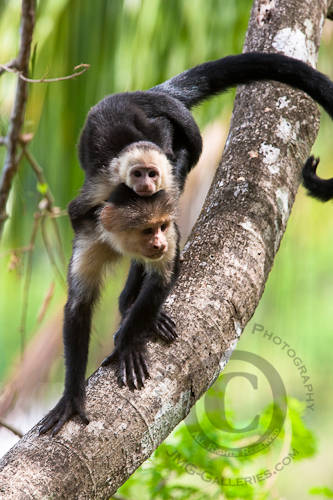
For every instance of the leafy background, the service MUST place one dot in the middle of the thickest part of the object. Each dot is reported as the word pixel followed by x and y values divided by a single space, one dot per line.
pixel 134 44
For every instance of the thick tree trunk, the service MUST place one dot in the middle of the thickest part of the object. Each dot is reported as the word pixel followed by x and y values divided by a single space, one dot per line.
pixel 226 264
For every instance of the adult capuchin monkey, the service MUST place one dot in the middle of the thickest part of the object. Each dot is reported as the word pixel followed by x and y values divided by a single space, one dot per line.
pixel 149 141
pixel 143 228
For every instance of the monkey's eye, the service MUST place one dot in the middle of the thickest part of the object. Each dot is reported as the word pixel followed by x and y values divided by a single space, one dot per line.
pixel 152 173
pixel 137 173
pixel 148 230
pixel 164 226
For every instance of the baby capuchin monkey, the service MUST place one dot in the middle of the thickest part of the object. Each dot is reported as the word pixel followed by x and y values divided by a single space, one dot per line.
pixel 142 166
pixel 149 139
pixel 144 229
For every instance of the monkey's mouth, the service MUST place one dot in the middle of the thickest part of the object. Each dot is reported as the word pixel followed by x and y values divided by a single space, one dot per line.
pixel 144 193
pixel 155 256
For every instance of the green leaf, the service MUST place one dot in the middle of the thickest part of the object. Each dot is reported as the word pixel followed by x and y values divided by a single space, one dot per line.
pixel 303 440
pixel 33 60
pixel 321 490
pixel 42 188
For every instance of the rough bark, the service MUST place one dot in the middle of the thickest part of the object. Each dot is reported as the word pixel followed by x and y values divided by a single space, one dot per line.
pixel 226 264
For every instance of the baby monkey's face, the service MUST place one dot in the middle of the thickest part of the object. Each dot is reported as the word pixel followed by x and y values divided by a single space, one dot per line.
pixel 144 168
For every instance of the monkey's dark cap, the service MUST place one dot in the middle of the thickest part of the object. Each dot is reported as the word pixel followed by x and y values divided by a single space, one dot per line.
pixel 131 211
pixel 143 145
pixel 150 210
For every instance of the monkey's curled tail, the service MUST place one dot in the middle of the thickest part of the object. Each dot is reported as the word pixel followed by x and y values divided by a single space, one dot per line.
pixel 214 77
pixel 211 78
pixel 322 189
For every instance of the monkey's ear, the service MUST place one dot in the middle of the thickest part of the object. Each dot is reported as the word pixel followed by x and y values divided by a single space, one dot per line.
pixel 109 217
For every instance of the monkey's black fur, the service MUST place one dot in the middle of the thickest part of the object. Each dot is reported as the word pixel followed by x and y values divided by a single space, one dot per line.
pixel 322 189
pixel 214 77
pixel 162 116
pixel 121 119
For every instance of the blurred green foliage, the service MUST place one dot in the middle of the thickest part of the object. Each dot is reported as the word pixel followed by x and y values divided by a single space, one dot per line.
pixel 182 469
pixel 322 491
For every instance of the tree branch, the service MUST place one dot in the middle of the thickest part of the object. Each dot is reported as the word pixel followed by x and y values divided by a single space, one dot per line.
pixel 52 211
pixel 226 264
pixel 27 281
pixel 7 67
pixel 17 116
pixel 78 70
pixel 20 66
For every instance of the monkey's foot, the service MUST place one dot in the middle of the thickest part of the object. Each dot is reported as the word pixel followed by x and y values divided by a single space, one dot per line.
pixel 165 328
pixel 132 364
pixel 64 410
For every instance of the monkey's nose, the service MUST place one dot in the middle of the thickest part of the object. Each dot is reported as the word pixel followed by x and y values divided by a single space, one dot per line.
pixel 160 247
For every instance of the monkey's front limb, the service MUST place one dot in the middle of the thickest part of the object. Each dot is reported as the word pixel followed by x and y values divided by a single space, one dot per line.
pixel 84 274
pixel 132 287
pixel 77 322
pixel 162 327
pixel 143 317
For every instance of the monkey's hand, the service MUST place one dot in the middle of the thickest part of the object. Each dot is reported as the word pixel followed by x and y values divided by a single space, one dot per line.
pixel 164 328
pixel 64 410
pixel 131 358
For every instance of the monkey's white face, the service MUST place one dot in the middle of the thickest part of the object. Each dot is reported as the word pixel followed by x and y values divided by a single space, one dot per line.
pixel 146 171
pixel 144 179
pixel 150 242
pixel 154 241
